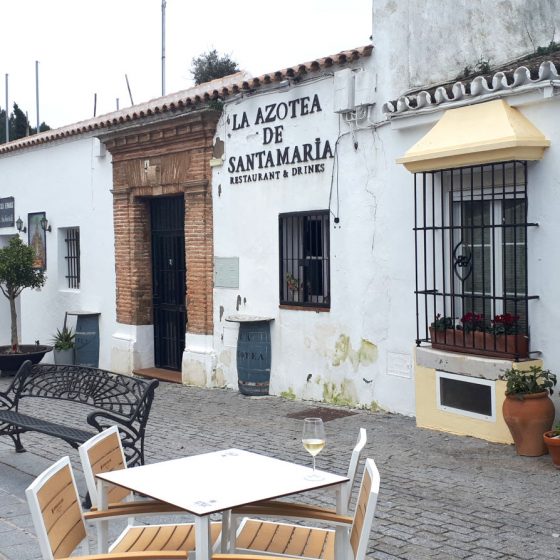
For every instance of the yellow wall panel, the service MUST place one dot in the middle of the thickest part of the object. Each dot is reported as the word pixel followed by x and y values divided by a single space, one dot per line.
pixel 429 416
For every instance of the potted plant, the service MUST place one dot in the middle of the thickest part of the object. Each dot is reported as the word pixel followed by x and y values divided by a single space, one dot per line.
pixel 17 273
pixel 474 335
pixel 552 442
pixel 527 409
pixel 293 285
pixel 443 333
pixel 505 336
pixel 63 344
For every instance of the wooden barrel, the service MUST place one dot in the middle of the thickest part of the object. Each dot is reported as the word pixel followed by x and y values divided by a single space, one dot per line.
pixel 253 358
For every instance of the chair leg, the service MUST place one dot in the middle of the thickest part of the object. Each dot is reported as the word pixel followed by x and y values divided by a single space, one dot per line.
pixel 86 503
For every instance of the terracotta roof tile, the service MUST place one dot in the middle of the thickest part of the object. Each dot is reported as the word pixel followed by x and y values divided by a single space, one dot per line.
pixel 526 71
pixel 216 89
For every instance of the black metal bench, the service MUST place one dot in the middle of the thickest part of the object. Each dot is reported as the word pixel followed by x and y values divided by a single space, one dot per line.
pixel 115 399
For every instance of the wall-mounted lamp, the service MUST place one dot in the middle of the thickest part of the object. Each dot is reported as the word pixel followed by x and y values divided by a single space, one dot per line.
pixel 20 227
pixel 45 224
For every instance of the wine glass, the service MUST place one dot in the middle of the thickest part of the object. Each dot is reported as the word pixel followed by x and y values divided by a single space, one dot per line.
pixel 313 439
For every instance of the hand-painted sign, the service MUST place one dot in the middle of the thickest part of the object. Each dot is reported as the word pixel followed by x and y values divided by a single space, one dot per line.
pixel 7 214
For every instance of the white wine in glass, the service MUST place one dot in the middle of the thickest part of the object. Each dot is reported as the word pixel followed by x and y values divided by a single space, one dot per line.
pixel 313 440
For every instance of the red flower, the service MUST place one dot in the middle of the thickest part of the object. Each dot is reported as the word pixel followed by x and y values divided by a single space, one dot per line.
pixel 507 319
pixel 473 321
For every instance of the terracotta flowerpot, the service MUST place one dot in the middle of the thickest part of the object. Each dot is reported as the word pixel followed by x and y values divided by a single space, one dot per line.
pixel 528 416
pixel 553 444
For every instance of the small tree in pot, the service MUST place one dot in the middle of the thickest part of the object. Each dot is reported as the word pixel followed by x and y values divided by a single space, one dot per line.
pixel 16 274
pixel 528 410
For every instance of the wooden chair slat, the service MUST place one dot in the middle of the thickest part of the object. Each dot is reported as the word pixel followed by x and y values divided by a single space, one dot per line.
pixel 281 538
pixel 360 512
pixel 264 536
pixel 298 541
pixel 155 539
pixel 248 534
pixel 106 449
pixel 54 486
pixel 182 539
pixel 315 547
pixel 329 546
pixel 136 538
pixel 163 537
pixel 70 542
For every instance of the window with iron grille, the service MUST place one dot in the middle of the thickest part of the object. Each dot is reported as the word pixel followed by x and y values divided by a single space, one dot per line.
pixel 471 259
pixel 72 240
pixel 304 259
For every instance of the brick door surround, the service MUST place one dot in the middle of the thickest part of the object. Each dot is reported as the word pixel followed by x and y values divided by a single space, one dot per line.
pixel 168 157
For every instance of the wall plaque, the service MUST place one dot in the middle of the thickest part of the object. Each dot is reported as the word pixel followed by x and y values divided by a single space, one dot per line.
pixel 7 214
pixel 226 272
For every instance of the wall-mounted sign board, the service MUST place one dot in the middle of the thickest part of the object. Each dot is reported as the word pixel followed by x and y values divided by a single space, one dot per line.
pixel 226 272
pixel 7 213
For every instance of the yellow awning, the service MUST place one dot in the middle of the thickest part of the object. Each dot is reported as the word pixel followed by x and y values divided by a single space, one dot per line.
pixel 477 134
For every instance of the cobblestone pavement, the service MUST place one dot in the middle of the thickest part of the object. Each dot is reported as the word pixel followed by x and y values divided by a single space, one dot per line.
pixel 442 497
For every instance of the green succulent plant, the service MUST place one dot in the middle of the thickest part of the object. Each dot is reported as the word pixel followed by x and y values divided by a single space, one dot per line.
pixel 64 339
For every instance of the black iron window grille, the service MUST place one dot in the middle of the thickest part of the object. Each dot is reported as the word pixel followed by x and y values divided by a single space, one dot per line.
pixel 304 259
pixel 471 259
pixel 72 257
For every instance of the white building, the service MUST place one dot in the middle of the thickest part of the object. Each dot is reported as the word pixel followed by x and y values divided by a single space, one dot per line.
pixel 317 229
pixel 69 180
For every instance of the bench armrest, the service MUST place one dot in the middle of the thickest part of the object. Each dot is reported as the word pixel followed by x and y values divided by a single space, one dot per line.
pixel 9 398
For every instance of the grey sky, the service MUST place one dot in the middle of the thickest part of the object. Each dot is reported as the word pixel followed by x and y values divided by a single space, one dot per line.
pixel 87 46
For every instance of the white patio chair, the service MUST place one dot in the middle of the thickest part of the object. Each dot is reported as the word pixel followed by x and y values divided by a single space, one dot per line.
pixel 59 523
pixel 104 453
pixel 297 541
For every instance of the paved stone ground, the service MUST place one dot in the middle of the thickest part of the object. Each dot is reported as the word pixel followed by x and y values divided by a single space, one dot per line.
pixel 442 497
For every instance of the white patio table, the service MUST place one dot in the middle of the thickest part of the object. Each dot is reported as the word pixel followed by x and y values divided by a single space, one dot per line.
pixel 218 482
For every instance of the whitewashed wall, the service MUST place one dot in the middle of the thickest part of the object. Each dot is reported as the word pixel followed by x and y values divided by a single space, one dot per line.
pixel 543 208
pixel 71 183
pixel 5 329
pixel 360 351
pixel 423 42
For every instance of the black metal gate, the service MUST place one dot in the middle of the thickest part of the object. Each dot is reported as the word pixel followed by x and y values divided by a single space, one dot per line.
pixel 168 271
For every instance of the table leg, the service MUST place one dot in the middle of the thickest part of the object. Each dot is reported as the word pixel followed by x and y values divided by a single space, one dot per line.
pixel 232 541
pixel 226 524
pixel 102 524
pixel 342 538
pixel 202 535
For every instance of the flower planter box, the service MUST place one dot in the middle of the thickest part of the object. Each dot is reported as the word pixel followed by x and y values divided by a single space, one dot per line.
pixel 481 343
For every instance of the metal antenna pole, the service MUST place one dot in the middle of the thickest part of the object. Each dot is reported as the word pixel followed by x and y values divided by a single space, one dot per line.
pixel 163 5
pixel 94 104
pixel 129 92
pixel 7 113
pixel 37 93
